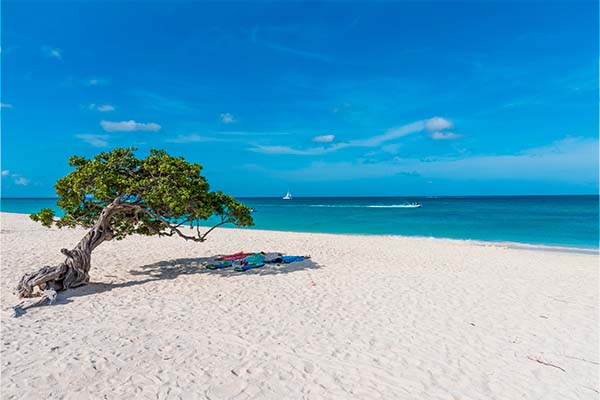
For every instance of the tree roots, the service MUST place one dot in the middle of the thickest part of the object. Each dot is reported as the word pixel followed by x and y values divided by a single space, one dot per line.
pixel 50 280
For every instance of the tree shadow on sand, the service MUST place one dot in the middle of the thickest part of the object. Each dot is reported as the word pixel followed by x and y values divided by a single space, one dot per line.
pixel 172 269
pixel 186 266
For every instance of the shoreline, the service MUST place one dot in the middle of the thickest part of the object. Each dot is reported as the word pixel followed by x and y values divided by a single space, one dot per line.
pixel 485 243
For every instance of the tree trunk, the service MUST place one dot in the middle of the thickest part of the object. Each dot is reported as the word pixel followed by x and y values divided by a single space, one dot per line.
pixel 71 273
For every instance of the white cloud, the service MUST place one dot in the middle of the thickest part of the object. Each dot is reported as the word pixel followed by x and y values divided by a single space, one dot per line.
pixel 193 138
pixel 19 180
pixel 373 141
pixel 101 107
pixel 286 49
pixel 129 126
pixel 227 118
pixel 106 107
pixel 94 140
pixel 437 124
pixel 249 133
pixel 95 81
pixel 445 135
pixel 289 150
pixel 571 160
pixel 52 52
pixel 5 105
pixel 390 134
pixel 323 139
pixel 344 106
pixel 391 148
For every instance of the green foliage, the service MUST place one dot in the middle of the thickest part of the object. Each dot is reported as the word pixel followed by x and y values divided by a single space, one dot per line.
pixel 154 195
pixel 45 217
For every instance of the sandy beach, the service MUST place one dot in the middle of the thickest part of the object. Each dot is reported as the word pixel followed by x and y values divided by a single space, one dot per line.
pixel 367 317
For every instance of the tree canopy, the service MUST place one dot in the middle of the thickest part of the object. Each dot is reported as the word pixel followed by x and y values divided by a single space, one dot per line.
pixel 156 195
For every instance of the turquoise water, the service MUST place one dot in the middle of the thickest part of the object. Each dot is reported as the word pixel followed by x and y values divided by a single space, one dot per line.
pixel 549 220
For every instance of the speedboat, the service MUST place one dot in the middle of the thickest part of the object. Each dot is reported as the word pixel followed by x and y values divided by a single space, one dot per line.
pixel 411 205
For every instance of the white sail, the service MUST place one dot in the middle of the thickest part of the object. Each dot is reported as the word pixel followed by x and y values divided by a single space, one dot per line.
pixel 288 196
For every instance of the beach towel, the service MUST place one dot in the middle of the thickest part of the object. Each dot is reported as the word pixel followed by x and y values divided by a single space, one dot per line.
pixel 269 257
pixel 286 259
pixel 246 267
pixel 235 256
pixel 222 264
pixel 291 259
pixel 256 260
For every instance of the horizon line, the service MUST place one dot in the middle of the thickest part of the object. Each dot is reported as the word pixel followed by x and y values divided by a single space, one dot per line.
pixel 374 196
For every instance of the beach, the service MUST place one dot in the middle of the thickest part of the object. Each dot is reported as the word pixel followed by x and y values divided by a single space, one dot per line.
pixel 365 317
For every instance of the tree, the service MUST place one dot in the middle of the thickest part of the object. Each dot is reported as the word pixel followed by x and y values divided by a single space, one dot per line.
pixel 114 195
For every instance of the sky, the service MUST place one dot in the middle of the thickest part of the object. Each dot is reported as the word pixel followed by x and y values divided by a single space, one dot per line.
pixel 321 98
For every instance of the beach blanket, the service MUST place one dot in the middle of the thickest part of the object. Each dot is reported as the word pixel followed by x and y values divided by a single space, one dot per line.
pixel 244 261
pixel 256 260
pixel 269 257
pixel 222 264
pixel 235 256
pixel 286 259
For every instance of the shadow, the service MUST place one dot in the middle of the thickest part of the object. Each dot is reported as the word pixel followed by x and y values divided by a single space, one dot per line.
pixel 185 266
pixel 172 269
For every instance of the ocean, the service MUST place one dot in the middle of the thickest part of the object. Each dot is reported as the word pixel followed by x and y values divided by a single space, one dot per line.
pixel 547 220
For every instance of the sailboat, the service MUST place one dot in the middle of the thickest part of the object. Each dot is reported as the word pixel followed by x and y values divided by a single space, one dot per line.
pixel 288 196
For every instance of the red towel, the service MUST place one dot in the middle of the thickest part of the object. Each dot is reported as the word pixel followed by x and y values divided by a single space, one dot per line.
pixel 234 257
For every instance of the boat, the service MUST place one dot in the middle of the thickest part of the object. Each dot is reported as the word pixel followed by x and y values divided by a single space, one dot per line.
pixel 411 205
pixel 288 196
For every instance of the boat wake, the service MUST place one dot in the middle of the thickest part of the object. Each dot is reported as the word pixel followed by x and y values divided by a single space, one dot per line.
pixel 365 206
pixel 397 206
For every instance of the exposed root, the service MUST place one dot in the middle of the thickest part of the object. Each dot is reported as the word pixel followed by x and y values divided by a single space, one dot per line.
pixel 45 277
pixel 47 296
pixel 71 273
pixel 49 280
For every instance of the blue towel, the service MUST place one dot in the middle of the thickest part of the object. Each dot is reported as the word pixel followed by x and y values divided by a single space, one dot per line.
pixel 291 259
pixel 222 264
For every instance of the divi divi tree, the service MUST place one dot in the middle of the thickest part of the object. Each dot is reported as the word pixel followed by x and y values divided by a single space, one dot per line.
pixel 114 195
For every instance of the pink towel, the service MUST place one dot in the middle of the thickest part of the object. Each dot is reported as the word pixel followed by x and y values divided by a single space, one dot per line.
pixel 236 256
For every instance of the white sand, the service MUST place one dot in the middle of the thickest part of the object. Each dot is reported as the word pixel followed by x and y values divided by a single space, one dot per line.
pixel 368 318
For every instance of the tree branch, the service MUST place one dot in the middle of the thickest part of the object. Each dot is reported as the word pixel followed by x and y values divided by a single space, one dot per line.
pixel 203 236
pixel 174 229
pixel 171 229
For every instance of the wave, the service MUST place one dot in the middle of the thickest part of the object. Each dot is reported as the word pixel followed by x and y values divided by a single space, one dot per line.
pixel 362 206
pixel 395 206
pixel 334 205
pixel 288 204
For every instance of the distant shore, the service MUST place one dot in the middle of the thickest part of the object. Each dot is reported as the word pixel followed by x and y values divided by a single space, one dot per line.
pixel 364 317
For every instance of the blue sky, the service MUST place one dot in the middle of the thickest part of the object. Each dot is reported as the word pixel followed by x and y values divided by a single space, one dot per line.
pixel 336 98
